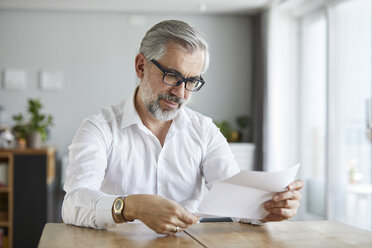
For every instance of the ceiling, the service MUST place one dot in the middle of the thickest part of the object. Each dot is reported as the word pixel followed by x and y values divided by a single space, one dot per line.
pixel 141 6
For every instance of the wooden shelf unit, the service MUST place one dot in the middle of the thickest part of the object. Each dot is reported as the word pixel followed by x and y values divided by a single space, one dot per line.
pixel 7 158
pixel 30 173
pixel 4 223
pixel 4 189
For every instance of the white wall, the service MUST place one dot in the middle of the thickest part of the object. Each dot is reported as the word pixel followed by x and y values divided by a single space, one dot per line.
pixel 282 109
pixel 96 53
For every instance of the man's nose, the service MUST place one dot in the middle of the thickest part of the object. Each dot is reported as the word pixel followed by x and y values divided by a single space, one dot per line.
pixel 179 90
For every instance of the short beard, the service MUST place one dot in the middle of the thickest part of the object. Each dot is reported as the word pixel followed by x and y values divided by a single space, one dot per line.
pixel 167 114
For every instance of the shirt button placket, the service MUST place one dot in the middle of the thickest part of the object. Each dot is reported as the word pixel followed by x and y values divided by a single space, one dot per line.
pixel 159 177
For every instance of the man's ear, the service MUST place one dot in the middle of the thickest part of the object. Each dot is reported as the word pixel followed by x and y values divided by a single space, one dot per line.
pixel 140 63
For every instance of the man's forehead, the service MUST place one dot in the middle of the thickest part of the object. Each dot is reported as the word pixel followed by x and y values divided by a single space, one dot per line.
pixel 178 58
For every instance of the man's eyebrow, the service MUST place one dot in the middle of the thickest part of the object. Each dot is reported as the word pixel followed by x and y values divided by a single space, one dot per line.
pixel 179 73
pixel 174 70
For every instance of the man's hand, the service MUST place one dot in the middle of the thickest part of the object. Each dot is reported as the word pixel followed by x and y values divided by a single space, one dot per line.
pixel 284 205
pixel 158 213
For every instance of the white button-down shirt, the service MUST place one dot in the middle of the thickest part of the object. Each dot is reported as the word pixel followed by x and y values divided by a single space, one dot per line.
pixel 113 154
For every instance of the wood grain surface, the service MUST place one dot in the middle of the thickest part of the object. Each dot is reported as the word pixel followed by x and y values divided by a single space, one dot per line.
pixel 285 234
pixel 124 235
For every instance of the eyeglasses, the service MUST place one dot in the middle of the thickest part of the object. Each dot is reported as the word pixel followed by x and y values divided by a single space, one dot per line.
pixel 175 79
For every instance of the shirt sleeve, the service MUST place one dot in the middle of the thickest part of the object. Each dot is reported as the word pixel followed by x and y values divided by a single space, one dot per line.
pixel 84 204
pixel 219 162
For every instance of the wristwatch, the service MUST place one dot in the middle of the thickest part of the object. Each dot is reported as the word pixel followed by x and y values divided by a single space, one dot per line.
pixel 119 208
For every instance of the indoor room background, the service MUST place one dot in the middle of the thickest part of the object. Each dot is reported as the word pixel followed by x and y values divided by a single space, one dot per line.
pixel 95 54
pixel 300 70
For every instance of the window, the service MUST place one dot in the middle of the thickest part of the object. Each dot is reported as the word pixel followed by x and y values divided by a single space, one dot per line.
pixel 335 93
pixel 313 113
pixel 319 104
pixel 350 91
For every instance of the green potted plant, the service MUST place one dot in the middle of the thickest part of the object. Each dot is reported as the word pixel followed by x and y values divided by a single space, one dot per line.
pixel 35 129
pixel 225 129
pixel 244 123
pixel 20 130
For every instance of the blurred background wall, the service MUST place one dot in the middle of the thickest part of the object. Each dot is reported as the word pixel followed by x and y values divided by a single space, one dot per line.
pixel 95 53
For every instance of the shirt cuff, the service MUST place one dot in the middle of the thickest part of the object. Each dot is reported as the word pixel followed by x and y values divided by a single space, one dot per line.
pixel 103 211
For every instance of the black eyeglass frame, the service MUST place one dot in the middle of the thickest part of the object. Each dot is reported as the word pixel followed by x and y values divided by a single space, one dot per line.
pixel 183 79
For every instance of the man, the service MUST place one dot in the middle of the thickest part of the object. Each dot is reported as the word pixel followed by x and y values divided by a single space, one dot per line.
pixel 146 157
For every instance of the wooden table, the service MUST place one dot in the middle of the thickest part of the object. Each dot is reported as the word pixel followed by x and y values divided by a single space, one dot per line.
pixel 280 234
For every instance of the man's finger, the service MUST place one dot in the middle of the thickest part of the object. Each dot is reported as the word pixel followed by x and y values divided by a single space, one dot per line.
pixel 164 228
pixel 177 222
pixel 296 185
pixel 291 194
pixel 187 217
pixel 272 217
pixel 284 212
pixel 171 229
pixel 282 204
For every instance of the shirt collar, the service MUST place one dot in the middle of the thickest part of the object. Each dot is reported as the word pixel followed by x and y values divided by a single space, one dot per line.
pixel 130 115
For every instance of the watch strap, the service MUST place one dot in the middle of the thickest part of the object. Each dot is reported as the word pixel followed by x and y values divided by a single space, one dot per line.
pixel 120 214
pixel 123 211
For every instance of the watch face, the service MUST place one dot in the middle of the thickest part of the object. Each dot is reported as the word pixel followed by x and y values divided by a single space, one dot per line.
pixel 118 204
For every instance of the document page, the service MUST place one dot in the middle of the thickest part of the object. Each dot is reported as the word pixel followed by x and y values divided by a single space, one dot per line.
pixel 244 194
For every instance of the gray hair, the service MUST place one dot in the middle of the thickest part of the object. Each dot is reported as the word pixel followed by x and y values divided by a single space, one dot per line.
pixel 154 44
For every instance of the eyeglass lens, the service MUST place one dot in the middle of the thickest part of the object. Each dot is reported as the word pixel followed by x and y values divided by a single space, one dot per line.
pixel 173 79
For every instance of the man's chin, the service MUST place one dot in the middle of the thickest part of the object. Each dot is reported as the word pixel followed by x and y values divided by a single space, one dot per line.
pixel 170 109
pixel 167 115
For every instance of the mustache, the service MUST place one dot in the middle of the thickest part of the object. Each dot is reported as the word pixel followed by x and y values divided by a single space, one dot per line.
pixel 172 98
